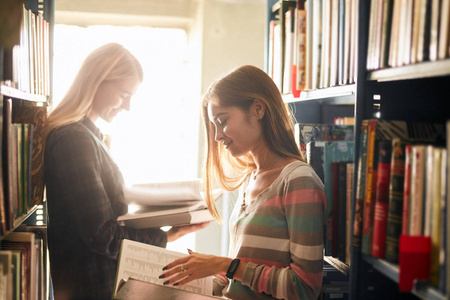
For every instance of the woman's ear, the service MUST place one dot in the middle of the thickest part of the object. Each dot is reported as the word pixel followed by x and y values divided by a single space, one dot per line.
pixel 259 108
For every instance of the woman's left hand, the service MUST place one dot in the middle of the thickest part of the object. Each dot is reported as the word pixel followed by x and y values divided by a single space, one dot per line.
pixel 194 266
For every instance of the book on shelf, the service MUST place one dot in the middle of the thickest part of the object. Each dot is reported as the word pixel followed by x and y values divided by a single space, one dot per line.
pixel 145 262
pixel 166 204
pixel 325 57
pixel 307 132
pixel 395 202
pixel 348 213
pixel 382 130
pixel 300 45
pixel 416 216
pixel 338 151
pixel 382 199
pixel 289 48
pixel 360 184
pixel 444 30
pixel 407 190
pixel 25 253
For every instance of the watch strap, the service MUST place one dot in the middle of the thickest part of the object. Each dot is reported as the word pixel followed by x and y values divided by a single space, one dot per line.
pixel 232 268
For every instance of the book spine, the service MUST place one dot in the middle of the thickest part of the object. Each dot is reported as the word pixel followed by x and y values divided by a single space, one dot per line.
pixel 371 175
pixel 335 212
pixel 395 206
pixel 382 199
pixel 349 196
pixel 416 217
pixel 360 186
pixel 407 190
pixel 342 208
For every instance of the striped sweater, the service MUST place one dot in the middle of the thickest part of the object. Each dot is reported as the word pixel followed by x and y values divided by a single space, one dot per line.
pixel 280 235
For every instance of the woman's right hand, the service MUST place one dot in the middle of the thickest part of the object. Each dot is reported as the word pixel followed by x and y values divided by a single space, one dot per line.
pixel 176 232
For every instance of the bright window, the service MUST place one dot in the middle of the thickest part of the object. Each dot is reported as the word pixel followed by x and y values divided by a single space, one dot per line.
pixel 158 139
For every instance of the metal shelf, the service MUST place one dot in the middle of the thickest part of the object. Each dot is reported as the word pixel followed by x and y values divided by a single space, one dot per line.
pixel 413 71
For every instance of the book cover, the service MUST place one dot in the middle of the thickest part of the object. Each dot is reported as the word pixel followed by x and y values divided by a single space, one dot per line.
pixel 444 29
pixel 407 190
pixel 334 46
pixel 434 29
pixel 436 211
pixel 394 35
pixel 386 28
pixel 416 216
pixel 325 57
pixel 360 186
pixel 300 57
pixel 317 43
pixel 382 199
pixel 340 151
pixel 348 213
pixel 289 43
pixel 395 206
pixel 145 262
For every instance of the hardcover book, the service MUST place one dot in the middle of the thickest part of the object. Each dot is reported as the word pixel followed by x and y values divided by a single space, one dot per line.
pixel 395 206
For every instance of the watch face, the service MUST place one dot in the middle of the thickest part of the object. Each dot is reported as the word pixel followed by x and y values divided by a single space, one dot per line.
pixel 232 268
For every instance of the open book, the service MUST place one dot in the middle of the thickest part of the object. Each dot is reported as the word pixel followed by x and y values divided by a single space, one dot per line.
pixel 166 204
pixel 145 262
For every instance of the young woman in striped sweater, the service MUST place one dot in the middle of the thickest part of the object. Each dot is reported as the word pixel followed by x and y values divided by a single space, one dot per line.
pixel 277 225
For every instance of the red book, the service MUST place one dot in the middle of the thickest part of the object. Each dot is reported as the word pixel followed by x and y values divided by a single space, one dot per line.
pixel 382 199
pixel 407 190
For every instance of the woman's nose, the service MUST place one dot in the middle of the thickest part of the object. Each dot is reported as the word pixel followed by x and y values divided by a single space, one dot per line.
pixel 219 134
pixel 126 104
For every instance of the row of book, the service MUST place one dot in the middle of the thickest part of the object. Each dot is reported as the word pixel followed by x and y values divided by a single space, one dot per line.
pixel 313 45
pixel 20 149
pixel 400 188
pixel 329 149
pixel 22 183
pixel 24 266
pixel 404 32
pixel 30 69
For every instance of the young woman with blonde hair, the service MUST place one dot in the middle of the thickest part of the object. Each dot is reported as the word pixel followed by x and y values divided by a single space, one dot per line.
pixel 84 185
pixel 277 225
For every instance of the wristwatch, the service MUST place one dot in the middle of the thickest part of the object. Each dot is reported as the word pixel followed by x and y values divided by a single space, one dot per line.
pixel 232 268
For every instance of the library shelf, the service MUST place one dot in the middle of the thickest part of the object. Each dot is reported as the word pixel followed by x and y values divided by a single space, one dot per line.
pixel 413 71
pixel 343 94
pixel 17 94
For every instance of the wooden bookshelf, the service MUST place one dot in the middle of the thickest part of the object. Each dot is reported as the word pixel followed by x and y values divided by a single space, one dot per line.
pixel 24 97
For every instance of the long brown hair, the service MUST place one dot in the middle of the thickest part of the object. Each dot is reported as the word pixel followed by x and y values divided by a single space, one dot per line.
pixel 240 88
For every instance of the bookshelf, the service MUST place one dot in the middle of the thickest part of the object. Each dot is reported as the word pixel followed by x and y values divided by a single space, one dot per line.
pixel 25 93
pixel 413 89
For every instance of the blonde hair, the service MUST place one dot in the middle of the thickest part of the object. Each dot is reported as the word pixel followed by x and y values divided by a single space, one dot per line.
pixel 240 88
pixel 110 62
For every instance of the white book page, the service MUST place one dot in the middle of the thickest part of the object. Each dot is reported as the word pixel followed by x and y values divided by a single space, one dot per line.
pixel 145 262
pixel 164 193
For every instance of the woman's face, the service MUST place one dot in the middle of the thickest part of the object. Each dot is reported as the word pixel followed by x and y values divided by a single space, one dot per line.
pixel 239 131
pixel 112 97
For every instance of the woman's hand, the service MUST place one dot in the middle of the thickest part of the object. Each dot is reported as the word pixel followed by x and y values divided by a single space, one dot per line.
pixel 194 266
pixel 176 232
